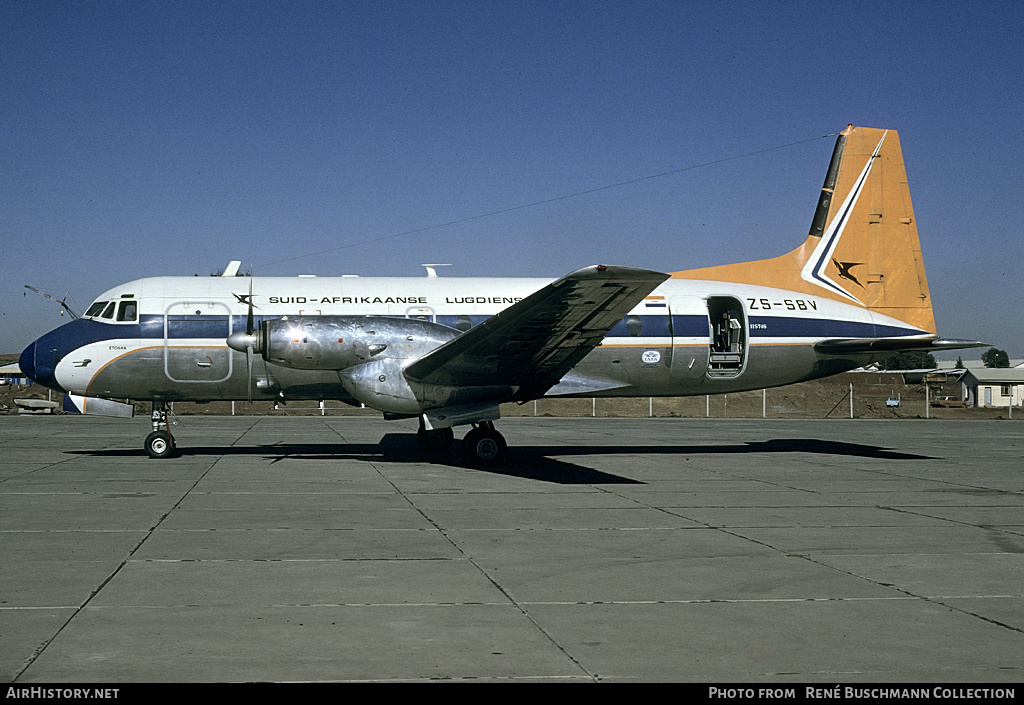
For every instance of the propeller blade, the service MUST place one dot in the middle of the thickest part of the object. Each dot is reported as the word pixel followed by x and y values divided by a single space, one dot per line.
pixel 248 348
pixel 248 342
pixel 248 318
pixel 248 367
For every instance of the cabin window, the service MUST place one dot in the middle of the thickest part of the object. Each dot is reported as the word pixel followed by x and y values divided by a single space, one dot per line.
pixel 463 323
pixel 95 309
pixel 128 311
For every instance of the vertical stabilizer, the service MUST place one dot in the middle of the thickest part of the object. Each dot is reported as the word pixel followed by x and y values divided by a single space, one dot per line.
pixel 863 246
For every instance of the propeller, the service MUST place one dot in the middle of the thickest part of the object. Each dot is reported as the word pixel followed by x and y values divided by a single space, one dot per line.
pixel 247 342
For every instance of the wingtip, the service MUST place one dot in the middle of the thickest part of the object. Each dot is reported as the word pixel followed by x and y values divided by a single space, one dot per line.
pixel 619 271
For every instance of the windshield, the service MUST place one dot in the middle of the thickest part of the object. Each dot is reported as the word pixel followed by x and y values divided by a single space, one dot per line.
pixel 128 311
pixel 95 309
pixel 125 311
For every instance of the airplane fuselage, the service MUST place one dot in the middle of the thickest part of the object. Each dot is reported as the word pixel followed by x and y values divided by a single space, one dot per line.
pixel 163 338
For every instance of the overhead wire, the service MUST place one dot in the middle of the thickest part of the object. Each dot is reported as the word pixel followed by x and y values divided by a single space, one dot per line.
pixel 555 199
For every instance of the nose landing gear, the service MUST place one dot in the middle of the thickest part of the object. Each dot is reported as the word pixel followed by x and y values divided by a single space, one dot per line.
pixel 160 443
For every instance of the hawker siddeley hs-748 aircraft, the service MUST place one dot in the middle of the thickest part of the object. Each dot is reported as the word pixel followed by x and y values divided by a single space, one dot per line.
pixel 449 351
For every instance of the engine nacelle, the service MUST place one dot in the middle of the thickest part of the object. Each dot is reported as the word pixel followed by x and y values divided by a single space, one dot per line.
pixel 340 342
pixel 369 353
pixel 381 385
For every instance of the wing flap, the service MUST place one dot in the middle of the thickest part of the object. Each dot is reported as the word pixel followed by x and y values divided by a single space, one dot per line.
pixel 533 343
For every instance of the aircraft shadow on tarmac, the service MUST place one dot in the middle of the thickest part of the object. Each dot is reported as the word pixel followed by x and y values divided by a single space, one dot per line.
pixel 526 461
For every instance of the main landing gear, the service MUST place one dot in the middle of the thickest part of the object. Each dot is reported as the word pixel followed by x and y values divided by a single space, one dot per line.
pixel 482 446
pixel 160 443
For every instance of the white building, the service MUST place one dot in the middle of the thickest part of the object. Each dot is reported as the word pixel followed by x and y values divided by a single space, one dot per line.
pixel 992 387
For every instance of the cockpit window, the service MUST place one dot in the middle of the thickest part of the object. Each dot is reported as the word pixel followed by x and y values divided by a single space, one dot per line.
pixel 128 311
pixel 95 309
pixel 108 312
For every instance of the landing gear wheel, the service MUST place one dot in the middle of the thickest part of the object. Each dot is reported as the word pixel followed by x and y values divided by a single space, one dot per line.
pixel 484 446
pixel 159 444
pixel 437 440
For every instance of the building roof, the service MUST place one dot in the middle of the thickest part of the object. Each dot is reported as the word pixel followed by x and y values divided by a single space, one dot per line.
pixel 12 370
pixel 998 375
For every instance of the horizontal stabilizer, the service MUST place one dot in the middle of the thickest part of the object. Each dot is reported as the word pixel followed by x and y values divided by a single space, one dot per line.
pixel 847 346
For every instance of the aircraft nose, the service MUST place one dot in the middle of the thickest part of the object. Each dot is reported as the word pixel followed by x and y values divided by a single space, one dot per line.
pixel 27 361
pixel 39 365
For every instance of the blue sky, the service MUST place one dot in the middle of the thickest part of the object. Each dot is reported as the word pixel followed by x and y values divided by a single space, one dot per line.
pixel 142 139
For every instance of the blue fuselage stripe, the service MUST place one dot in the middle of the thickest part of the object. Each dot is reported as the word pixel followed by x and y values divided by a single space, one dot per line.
pixel 83 332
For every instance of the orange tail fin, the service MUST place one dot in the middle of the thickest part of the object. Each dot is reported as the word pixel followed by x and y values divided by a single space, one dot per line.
pixel 863 246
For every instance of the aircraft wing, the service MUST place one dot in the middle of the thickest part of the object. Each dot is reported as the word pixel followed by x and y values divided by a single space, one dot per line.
pixel 840 346
pixel 533 343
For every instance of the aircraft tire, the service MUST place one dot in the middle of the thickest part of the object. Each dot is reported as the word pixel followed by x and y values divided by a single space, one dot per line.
pixel 436 440
pixel 484 447
pixel 159 444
